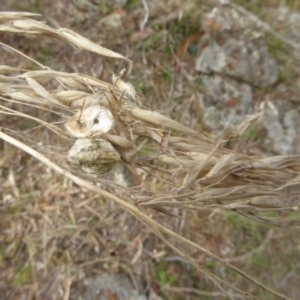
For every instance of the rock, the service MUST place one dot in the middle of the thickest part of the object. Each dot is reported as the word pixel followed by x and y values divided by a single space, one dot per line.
pixel 214 118
pixel 226 93
pixel 250 61
pixel 236 49
pixel 94 156
pixel 226 22
pixel 243 60
pixel 111 286
pixel 226 102
pixel 234 60
pixel 290 21
pixel 213 59
pixel 282 130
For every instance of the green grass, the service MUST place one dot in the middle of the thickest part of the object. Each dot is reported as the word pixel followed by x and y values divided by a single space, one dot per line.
pixel 162 276
pixel 260 260
pixel 35 7
pixel 294 4
pixel 130 4
pixel 186 26
pixel 149 44
pixel 23 275
pixel 244 233
pixel 167 76
pixel 45 54
pixel 254 6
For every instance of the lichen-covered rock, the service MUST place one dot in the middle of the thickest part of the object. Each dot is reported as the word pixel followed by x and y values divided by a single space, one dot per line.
pixel 111 286
pixel 288 19
pixel 233 61
pixel 214 118
pixel 224 92
pixel 212 59
pixel 236 49
pixel 94 156
pixel 244 60
pixel 226 102
pixel 283 130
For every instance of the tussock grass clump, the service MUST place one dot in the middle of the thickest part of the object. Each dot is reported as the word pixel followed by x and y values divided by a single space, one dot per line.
pixel 199 173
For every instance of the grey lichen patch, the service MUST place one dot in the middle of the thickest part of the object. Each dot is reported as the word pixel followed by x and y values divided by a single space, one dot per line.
pixel 214 119
pixel 236 49
pixel 242 59
pixel 213 59
pixel 94 156
pixel 222 91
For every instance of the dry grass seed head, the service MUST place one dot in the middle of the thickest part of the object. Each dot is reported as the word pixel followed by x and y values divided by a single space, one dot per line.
pixel 261 183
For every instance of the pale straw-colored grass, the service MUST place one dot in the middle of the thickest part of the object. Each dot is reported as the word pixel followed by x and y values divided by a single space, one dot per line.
pixel 197 173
